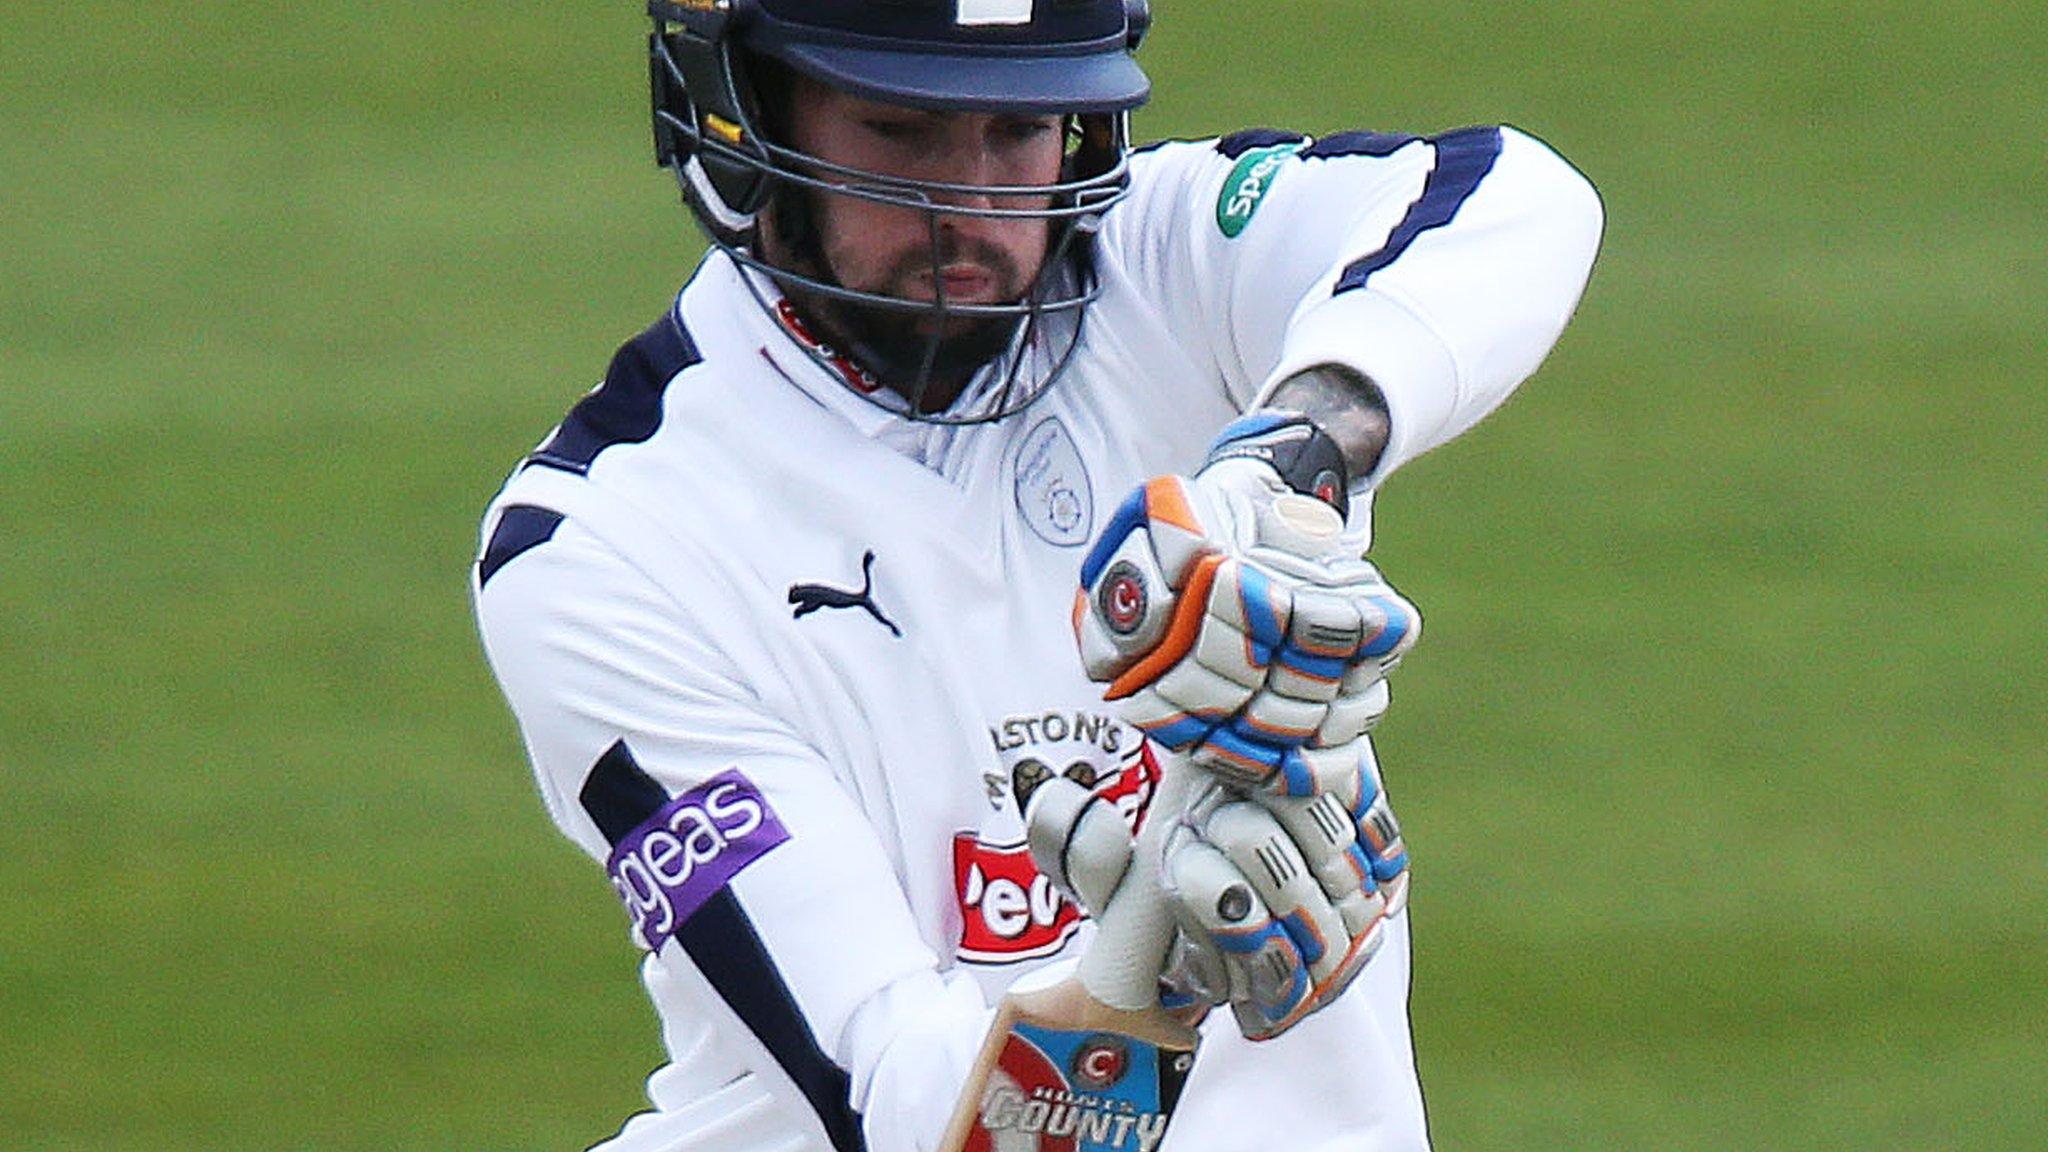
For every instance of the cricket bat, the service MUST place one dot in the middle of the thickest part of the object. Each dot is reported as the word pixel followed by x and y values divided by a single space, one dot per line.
pixel 1089 1062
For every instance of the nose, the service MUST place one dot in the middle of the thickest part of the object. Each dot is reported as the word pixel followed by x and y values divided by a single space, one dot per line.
pixel 969 162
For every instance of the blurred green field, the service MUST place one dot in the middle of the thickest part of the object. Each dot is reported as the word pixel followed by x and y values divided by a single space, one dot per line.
pixel 1722 764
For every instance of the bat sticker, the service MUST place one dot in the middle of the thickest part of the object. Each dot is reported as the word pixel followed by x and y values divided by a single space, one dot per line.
pixel 1059 1090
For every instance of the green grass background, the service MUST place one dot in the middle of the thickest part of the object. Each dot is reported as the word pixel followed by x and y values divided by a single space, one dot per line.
pixel 1722 762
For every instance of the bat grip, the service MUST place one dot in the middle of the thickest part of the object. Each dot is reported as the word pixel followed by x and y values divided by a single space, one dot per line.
pixel 1122 965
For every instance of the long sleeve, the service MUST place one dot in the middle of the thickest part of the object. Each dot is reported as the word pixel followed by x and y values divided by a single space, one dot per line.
pixel 1443 268
pixel 781 947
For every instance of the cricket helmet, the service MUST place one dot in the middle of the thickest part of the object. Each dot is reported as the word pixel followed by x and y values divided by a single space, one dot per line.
pixel 1071 58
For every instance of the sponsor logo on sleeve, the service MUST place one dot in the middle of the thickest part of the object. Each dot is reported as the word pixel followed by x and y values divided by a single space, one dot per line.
pixel 1246 186
pixel 668 867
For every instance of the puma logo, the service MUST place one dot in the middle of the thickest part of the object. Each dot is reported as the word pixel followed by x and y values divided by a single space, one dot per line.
pixel 809 598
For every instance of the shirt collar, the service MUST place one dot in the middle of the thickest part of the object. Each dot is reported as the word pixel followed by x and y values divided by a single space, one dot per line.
pixel 778 336
pixel 834 381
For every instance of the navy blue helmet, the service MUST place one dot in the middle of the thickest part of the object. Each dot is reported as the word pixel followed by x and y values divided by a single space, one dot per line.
pixel 713 62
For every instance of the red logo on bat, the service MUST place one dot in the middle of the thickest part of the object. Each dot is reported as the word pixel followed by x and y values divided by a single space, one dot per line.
pixel 1101 1062
pixel 1022 1075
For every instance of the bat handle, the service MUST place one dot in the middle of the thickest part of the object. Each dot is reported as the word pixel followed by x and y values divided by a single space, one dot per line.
pixel 1121 966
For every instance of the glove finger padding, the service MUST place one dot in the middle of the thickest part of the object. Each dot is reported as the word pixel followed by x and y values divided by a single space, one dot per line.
pixel 1284 900
pixel 1078 840
pixel 1232 947
pixel 1363 795
pixel 1280 901
pixel 1084 846
pixel 1322 829
pixel 1273 918
pixel 1263 852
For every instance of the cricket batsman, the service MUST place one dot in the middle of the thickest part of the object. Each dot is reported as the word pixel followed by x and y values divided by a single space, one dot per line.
pixel 977 543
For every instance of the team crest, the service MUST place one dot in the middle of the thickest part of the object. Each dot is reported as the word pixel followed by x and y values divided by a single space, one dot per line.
pixel 1052 488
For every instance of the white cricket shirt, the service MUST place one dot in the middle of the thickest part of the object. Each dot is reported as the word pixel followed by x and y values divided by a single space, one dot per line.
pixel 778 655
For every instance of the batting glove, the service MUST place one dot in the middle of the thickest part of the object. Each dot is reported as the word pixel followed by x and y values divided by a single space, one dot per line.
pixel 1234 620
pixel 1280 901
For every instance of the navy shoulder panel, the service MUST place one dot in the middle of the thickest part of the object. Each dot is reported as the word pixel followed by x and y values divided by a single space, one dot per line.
pixel 619 795
pixel 520 527
pixel 626 408
pixel 721 941
pixel 1238 143
pixel 1463 158
pixel 1358 144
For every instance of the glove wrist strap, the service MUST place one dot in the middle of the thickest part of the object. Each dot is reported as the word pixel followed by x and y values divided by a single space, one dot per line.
pixel 1306 458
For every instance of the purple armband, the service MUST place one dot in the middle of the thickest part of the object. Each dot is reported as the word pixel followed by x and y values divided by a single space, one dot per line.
pixel 679 858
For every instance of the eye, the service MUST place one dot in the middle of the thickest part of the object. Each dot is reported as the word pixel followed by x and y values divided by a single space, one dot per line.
pixel 894 129
pixel 1024 130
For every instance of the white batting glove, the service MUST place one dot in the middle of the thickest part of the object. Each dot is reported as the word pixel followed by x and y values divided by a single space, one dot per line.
pixel 1233 619
pixel 1280 901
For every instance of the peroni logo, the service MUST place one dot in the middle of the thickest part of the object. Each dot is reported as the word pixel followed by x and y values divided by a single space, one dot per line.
pixel 1009 910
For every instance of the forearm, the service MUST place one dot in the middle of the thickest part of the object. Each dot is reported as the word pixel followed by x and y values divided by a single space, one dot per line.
pixel 1346 405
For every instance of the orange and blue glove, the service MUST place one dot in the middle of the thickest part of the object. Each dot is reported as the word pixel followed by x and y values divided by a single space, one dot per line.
pixel 1235 620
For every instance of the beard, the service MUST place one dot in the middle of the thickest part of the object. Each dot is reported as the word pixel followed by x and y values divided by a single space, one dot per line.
pixel 928 357
pixel 925 355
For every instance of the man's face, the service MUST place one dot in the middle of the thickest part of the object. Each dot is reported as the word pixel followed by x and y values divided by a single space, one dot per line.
pixel 889 250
